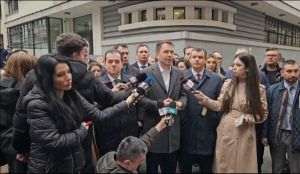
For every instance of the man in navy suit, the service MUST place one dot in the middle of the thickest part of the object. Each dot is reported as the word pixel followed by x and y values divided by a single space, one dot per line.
pixel 132 71
pixel 283 124
pixel 110 132
pixel 142 53
pixel 199 124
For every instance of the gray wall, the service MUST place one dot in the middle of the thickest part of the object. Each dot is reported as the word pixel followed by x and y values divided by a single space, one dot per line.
pixel 250 24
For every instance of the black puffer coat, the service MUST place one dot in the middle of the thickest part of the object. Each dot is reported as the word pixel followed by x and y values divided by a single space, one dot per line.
pixel 90 88
pixel 54 150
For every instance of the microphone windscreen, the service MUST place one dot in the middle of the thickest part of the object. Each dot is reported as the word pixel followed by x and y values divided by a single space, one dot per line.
pixel 150 80
pixel 141 77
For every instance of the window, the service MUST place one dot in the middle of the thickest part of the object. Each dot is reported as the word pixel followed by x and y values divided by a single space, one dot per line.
pixel 179 13
pixel 35 36
pixel 198 13
pixel 12 6
pixel 129 18
pixel 56 28
pixel 214 14
pixel 280 32
pixel 224 16
pixel 83 26
pixel 144 15
pixel 160 14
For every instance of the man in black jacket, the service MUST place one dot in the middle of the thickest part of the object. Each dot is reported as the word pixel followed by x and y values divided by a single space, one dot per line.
pixel 74 48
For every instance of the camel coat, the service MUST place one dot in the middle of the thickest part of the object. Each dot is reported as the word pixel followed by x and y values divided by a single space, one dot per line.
pixel 236 145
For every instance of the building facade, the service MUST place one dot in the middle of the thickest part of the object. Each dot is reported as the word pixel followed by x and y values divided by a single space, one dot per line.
pixel 221 26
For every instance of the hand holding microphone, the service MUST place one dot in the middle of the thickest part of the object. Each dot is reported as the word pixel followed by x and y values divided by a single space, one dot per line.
pixel 189 85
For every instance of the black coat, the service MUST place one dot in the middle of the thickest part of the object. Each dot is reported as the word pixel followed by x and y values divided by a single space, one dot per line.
pixel 89 87
pixel 110 133
pixel 57 150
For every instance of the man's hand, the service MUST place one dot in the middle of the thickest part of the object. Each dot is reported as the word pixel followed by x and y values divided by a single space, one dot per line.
pixel 200 96
pixel 179 105
pixel 167 102
pixel 120 87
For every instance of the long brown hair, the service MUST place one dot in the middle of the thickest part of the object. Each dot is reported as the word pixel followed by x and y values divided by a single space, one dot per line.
pixel 18 64
pixel 253 102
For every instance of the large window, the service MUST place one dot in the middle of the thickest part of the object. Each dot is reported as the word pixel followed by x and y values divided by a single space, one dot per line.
pixel 35 36
pixel 12 6
pixel 179 13
pixel 198 13
pixel 280 32
pixel 144 15
pixel 83 27
pixel 55 30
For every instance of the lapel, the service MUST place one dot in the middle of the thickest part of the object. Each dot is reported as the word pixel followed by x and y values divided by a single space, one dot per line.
pixel 157 74
pixel 297 96
pixel 124 78
pixel 173 80
pixel 205 76
pixel 105 79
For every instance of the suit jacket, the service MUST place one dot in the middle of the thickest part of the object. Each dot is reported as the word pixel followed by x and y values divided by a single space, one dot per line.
pixel 135 65
pixel 130 70
pixel 169 139
pixel 275 94
pixel 199 132
pixel 109 133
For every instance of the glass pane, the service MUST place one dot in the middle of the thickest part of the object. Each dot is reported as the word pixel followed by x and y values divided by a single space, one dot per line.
pixel 179 13
pixel 198 13
pixel 83 26
pixel 40 37
pixel 55 30
pixel 224 16
pixel 160 14
pixel 144 15
pixel 214 14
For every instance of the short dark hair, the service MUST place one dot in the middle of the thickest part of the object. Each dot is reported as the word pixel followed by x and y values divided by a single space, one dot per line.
pixel 272 49
pixel 131 148
pixel 200 50
pixel 187 47
pixel 120 45
pixel 112 51
pixel 289 62
pixel 69 43
pixel 141 45
pixel 159 44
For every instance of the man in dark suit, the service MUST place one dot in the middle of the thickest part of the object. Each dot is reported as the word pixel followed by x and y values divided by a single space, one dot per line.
pixel 199 126
pixel 283 124
pixel 132 71
pixel 109 133
pixel 142 53
pixel 167 89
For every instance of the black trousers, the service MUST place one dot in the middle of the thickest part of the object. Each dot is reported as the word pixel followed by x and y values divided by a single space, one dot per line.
pixel 166 161
pixel 205 163
pixel 260 148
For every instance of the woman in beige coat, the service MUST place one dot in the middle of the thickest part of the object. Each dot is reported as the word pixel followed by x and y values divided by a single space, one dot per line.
pixel 243 102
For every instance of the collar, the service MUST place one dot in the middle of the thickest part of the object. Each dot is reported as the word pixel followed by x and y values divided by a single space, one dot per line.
pixel 140 65
pixel 164 70
pixel 288 86
pixel 195 73
pixel 112 79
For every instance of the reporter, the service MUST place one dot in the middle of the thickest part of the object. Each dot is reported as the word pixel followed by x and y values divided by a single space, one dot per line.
pixel 131 153
pixel 244 104
pixel 56 115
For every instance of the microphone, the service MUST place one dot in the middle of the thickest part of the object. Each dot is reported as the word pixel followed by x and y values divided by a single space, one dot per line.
pixel 189 85
pixel 133 81
pixel 143 87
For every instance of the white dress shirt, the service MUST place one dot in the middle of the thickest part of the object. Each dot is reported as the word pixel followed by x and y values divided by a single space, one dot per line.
pixel 166 75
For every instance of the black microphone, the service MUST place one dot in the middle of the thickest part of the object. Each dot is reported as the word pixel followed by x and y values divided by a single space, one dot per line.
pixel 190 86
pixel 135 80
pixel 143 87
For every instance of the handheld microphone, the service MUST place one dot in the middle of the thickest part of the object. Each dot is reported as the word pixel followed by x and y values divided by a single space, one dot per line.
pixel 189 85
pixel 169 111
pixel 143 87
pixel 135 80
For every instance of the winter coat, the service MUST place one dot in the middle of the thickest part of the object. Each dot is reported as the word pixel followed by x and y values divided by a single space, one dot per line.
pixel 54 150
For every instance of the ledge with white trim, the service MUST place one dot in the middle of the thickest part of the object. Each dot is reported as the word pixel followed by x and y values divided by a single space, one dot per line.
pixel 170 23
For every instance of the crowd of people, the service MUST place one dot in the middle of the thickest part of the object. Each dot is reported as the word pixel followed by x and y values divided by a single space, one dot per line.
pixel 69 113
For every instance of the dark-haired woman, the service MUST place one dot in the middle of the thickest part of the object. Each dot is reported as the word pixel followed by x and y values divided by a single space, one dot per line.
pixel 56 115
pixel 243 102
